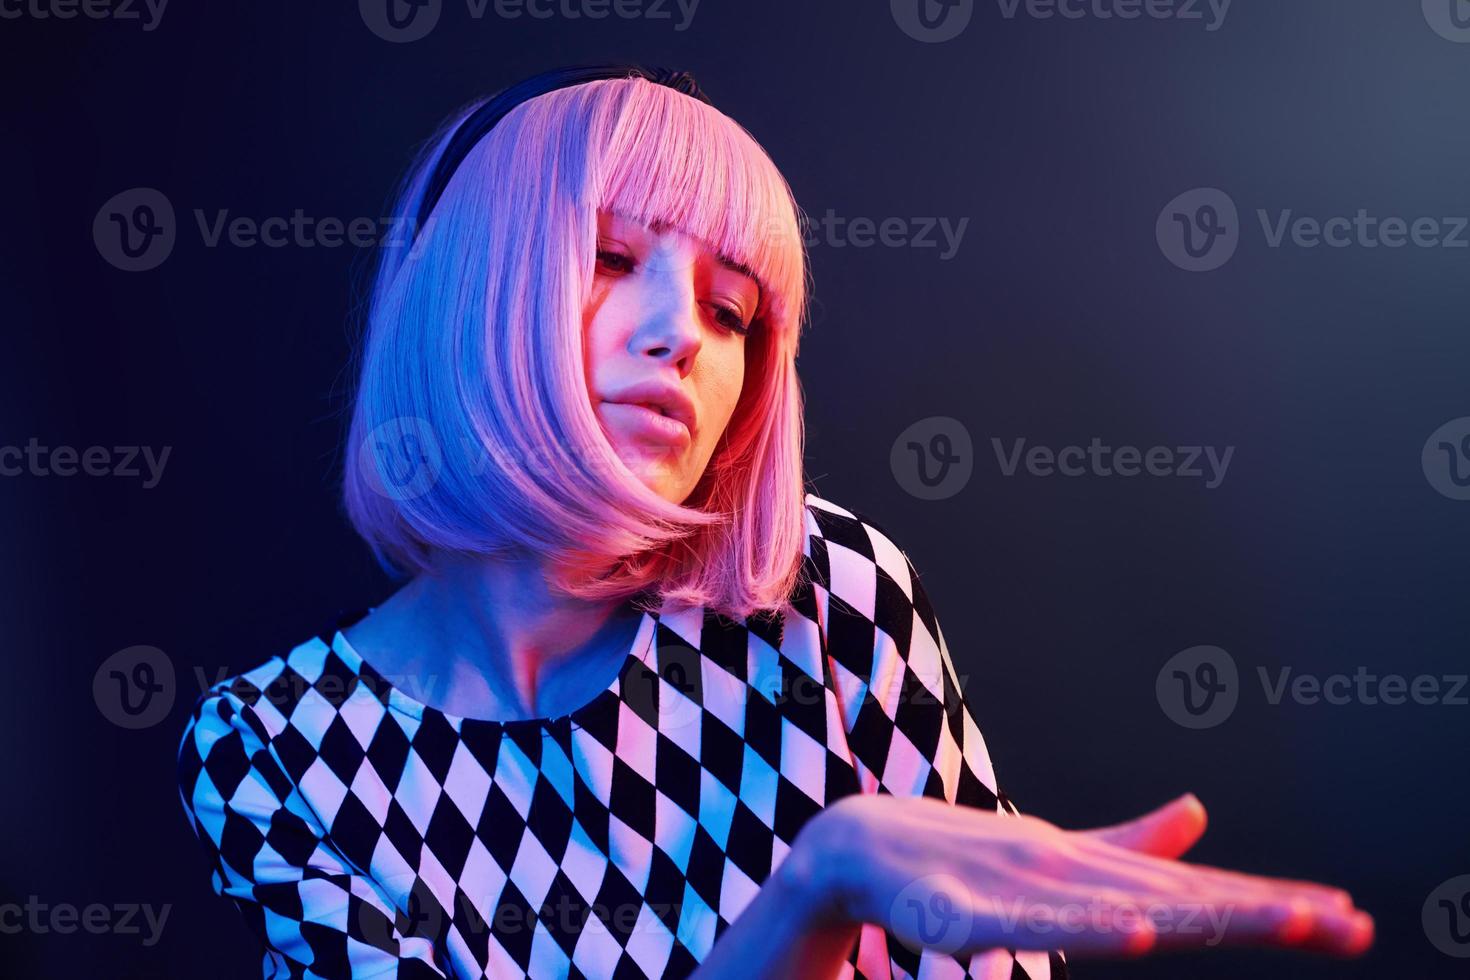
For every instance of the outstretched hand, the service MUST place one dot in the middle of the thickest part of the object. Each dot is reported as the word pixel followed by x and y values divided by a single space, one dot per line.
pixel 961 880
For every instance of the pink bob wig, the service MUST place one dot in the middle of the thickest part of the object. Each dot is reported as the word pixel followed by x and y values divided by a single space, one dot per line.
pixel 472 430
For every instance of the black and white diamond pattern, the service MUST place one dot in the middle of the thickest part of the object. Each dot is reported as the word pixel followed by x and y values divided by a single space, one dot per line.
pixel 363 833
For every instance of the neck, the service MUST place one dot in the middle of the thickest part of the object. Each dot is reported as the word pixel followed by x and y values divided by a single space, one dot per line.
pixel 495 635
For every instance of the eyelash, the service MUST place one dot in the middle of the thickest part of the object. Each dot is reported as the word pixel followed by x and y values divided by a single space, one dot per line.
pixel 732 322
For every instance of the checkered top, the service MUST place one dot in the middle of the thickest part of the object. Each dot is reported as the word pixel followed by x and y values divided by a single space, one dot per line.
pixel 363 833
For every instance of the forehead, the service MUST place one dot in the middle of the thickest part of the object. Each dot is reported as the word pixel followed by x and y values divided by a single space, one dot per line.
pixel 662 228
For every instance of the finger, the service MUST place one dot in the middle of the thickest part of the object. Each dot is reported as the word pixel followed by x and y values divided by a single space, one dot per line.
pixel 1170 831
pixel 1128 920
pixel 1313 918
pixel 1291 925
pixel 1358 938
pixel 1204 903
pixel 1330 894
pixel 1123 922
pixel 1198 876
pixel 1177 925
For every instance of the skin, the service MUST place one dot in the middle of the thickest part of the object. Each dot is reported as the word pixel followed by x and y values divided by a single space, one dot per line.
pixel 665 306
pixel 488 638
pixel 1018 883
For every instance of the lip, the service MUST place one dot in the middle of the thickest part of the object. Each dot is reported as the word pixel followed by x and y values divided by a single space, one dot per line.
pixel 660 395
pixel 645 421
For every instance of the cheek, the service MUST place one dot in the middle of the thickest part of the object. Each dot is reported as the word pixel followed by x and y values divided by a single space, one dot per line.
pixel 727 375
pixel 601 340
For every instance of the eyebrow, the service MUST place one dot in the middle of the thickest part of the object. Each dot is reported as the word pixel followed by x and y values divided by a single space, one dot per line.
pixel 659 227
pixel 739 267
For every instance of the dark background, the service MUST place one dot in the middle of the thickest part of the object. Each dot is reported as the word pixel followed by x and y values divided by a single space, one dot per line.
pixel 1060 319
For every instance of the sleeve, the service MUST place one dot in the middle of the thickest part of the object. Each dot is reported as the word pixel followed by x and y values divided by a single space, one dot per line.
pixel 267 852
pixel 909 726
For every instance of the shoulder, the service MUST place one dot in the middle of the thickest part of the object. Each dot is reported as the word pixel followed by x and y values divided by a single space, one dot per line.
pixel 854 559
pixel 829 519
pixel 250 738
pixel 889 662
pixel 261 703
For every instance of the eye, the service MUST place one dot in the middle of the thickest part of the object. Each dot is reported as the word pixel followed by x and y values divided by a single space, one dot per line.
pixel 614 262
pixel 729 318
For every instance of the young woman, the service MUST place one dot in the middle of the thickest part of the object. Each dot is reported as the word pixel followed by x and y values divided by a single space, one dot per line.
pixel 647 706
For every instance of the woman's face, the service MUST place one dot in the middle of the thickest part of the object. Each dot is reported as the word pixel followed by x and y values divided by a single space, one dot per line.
pixel 664 326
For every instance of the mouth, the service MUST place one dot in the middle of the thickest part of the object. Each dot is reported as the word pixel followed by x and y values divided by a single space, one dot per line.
pixel 649 421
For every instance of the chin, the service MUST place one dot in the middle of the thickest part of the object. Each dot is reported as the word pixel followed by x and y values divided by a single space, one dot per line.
pixel 663 476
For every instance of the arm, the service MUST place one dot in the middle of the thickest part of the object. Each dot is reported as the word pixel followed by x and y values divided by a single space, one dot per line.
pixel 791 930
pixel 930 834
pixel 314 914
pixel 906 730
pixel 908 724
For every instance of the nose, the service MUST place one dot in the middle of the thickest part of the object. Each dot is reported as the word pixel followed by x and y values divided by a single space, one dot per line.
pixel 670 328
